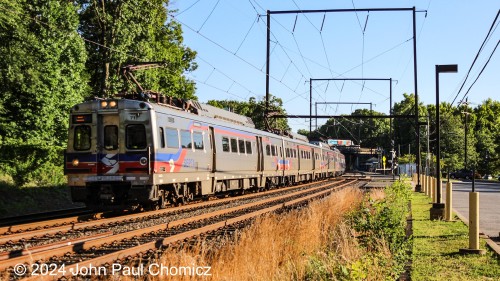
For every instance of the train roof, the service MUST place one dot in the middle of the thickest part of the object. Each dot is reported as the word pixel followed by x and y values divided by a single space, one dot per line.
pixel 207 110
pixel 200 109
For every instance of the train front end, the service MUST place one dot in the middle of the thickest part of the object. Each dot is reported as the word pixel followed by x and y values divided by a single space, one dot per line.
pixel 109 154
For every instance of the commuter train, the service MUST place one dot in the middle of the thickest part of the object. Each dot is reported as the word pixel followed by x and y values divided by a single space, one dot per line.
pixel 126 153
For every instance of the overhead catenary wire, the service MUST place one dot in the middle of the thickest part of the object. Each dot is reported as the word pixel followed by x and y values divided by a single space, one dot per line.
pixel 187 9
pixel 306 61
pixel 248 32
pixel 477 55
pixel 209 15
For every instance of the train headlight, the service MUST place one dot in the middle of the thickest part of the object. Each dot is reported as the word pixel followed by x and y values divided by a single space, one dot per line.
pixel 112 104
pixel 104 104
pixel 75 162
pixel 143 161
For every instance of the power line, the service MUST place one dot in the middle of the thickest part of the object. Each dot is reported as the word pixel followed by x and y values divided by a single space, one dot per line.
pixel 209 15
pixel 477 55
pixel 178 14
pixel 228 51
pixel 481 72
pixel 248 32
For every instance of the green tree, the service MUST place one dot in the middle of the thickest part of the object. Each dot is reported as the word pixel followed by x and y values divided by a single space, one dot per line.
pixel 487 134
pixel 404 128
pixel 42 76
pixel 135 31
pixel 369 132
pixel 255 109
pixel 303 132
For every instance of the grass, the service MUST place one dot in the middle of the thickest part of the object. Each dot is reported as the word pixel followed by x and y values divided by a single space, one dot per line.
pixel 317 242
pixel 15 201
pixel 436 245
pixel 280 246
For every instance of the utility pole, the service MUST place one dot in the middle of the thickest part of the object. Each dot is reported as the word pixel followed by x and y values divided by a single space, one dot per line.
pixel 466 113
pixel 427 159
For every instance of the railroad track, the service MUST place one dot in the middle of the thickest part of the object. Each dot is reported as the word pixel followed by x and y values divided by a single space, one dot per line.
pixel 5 223
pixel 37 234
pixel 107 247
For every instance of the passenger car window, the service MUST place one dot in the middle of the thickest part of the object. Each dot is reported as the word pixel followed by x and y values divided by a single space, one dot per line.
pixel 273 150
pixel 249 147
pixel 161 136
pixel 82 138
pixel 241 144
pixel 135 136
pixel 172 138
pixel 225 144
pixel 186 139
pixel 198 140
pixel 268 150
pixel 234 146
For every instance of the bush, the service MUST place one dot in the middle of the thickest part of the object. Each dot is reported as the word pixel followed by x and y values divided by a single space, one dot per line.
pixel 32 163
pixel 384 221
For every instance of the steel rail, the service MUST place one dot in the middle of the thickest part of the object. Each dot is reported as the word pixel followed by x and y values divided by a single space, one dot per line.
pixel 123 254
pixel 46 229
pixel 12 222
pixel 42 248
pixel 139 232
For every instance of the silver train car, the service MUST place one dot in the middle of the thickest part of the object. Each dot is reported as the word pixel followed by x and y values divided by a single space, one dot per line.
pixel 125 152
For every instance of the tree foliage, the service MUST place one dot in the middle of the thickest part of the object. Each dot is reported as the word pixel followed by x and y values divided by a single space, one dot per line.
pixel 42 76
pixel 135 31
pixel 255 109
pixel 487 135
pixel 404 128
pixel 369 132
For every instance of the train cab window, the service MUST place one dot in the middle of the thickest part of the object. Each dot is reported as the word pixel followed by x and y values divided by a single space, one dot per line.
pixel 234 145
pixel 82 138
pixel 172 138
pixel 225 144
pixel 241 144
pixel 268 150
pixel 186 139
pixel 161 136
pixel 249 147
pixel 135 136
pixel 198 140
pixel 110 137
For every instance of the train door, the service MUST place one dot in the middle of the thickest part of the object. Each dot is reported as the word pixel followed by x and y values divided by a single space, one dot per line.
pixel 299 158
pixel 107 144
pixel 212 145
pixel 260 156
pixel 313 157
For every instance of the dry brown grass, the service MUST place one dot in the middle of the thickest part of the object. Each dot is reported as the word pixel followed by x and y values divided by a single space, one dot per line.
pixel 279 247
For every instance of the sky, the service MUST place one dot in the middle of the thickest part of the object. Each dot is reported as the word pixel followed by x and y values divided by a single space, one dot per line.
pixel 229 37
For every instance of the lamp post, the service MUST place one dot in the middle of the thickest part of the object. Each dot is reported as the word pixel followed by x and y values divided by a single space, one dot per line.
pixel 437 210
pixel 487 157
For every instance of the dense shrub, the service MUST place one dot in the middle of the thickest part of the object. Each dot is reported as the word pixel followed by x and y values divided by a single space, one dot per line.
pixel 384 221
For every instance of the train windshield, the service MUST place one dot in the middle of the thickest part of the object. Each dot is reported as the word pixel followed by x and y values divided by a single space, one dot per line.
pixel 135 136
pixel 110 137
pixel 82 138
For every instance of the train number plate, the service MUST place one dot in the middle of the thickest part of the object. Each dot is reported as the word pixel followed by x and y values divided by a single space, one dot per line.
pixel 105 178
